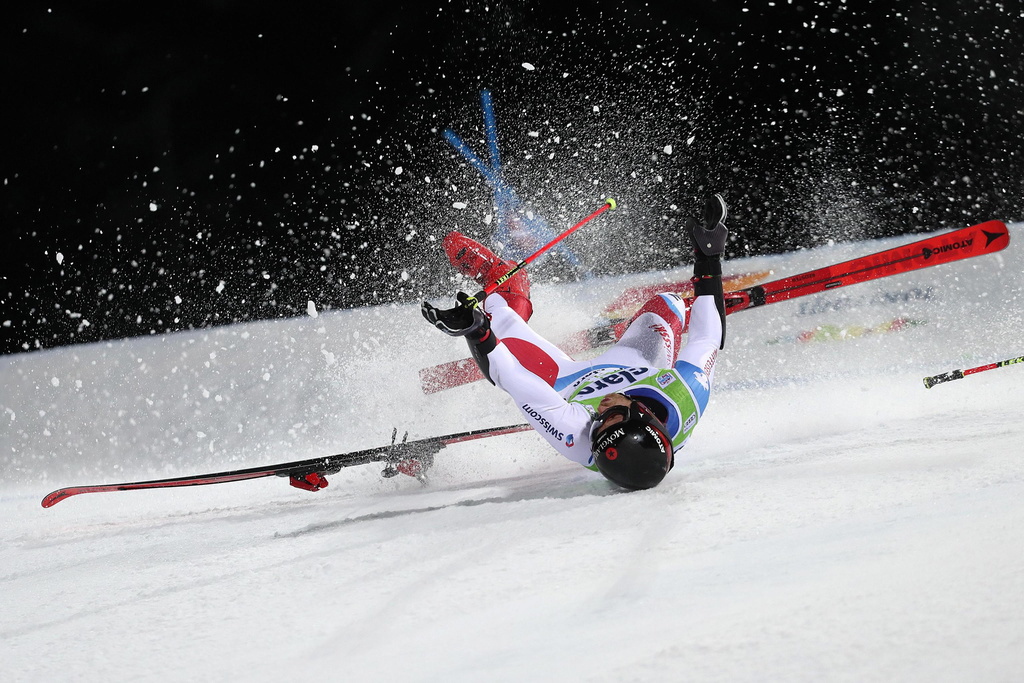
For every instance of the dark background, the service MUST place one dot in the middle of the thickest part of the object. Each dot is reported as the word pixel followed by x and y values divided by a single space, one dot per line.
pixel 171 166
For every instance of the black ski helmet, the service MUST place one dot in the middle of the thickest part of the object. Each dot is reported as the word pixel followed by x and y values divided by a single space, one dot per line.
pixel 635 453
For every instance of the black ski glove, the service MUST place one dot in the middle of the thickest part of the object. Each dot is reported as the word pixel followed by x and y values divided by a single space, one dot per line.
pixel 709 238
pixel 464 320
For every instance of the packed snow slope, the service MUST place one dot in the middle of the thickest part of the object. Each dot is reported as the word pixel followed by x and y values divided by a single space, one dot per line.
pixel 831 518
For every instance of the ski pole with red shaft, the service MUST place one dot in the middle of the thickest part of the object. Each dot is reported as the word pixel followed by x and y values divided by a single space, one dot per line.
pixel 930 382
pixel 491 288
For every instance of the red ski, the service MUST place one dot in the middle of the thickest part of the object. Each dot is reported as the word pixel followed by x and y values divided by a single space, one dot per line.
pixel 977 240
pixel 408 457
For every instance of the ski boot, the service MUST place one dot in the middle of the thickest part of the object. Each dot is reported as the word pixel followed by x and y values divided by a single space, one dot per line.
pixel 476 261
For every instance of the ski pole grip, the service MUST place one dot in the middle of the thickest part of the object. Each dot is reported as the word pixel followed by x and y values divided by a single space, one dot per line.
pixel 474 300
pixel 930 382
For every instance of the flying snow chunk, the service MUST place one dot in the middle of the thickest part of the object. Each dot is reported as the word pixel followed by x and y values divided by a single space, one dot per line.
pixel 529 67
pixel 54 381
pixel 153 206
pixel 311 309
pixel 689 140
pixel 398 170
pixel 839 92
pixel 459 205
pixel 668 149
pixel 60 259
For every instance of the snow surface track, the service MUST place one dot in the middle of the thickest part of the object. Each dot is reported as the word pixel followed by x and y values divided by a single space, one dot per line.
pixel 830 520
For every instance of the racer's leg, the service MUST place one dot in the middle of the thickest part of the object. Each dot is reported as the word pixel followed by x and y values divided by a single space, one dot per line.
pixel 534 352
pixel 656 330
pixel 645 345
pixel 704 336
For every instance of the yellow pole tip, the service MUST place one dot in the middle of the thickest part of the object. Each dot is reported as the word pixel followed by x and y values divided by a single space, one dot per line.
pixel 611 203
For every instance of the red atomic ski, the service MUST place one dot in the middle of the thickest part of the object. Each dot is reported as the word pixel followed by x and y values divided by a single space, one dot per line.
pixel 977 240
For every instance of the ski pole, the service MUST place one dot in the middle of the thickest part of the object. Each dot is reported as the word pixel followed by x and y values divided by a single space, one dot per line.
pixel 490 289
pixel 930 382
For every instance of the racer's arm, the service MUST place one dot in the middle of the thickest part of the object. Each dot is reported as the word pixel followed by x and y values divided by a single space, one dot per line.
pixel 564 425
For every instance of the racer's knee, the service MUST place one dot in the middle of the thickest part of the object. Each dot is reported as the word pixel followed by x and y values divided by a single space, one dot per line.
pixel 670 307
pixel 673 310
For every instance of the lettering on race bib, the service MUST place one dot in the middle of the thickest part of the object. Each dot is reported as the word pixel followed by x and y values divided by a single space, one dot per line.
pixel 609 381
pixel 584 378
pixel 690 421
pixel 665 379
pixel 542 422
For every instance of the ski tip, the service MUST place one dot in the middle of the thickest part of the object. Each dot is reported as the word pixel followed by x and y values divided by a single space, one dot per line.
pixel 55 497
pixel 993 231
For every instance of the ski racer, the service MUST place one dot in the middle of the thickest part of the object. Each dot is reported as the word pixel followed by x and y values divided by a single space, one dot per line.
pixel 625 412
